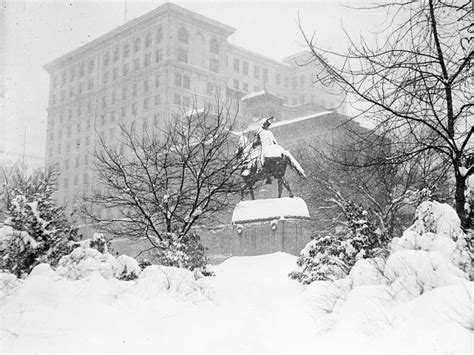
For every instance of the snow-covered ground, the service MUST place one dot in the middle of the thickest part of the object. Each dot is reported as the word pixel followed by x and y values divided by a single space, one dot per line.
pixel 419 300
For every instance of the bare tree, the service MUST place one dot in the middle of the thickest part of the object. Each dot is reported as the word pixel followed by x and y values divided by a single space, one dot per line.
pixel 390 191
pixel 414 84
pixel 159 182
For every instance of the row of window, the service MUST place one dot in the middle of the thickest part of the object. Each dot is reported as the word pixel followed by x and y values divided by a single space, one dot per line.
pixel 79 70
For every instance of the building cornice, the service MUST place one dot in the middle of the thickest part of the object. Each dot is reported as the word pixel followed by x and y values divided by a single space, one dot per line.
pixel 160 12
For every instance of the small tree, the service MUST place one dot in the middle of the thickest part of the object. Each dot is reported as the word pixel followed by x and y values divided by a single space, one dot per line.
pixel 330 257
pixel 40 231
pixel 158 183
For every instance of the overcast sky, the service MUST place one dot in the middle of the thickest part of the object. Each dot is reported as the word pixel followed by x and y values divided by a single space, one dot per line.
pixel 32 33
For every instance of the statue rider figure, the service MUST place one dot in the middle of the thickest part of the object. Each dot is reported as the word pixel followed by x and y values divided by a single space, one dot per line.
pixel 264 139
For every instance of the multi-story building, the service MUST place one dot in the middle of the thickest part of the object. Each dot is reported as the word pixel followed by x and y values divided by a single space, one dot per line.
pixel 141 73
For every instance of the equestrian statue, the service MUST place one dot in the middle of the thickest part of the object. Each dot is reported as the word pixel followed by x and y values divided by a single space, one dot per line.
pixel 264 159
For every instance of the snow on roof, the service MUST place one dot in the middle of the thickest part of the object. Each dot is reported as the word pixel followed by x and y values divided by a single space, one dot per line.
pixel 253 94
pixel 268 209
pixel 299 119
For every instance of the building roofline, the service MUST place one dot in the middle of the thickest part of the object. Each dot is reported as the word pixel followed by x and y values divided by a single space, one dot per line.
pixel 264 57
pixel 296 55
pixel 160 10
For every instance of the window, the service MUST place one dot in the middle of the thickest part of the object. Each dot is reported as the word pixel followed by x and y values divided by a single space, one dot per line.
pixel 80 88
pixel 182 55
pixel 158 55
pixel 256 72
pixel 112 116
pixel 76 180
pixel 210 89
pixel 73 74
pixel 265 74
pixel 86 159
pixel 123 112
pixel 113 98
pixel 137 44
pixel 66 183
pixel 115 73
pixel 236 84
pixel 136 64
pixel 134 89
pixel 186 82
pixel 86 179
pixel 245 68
pixel 116 54
pixel 177 99
pixel 278 79
pixel 145 105
pixel 63 78
pixel 71 92
pixel 245 87
pixel 157 81
pixel 287 81
pixel 148 40
pixel 59 148
pixel 134 109
pixel 145 86
pixel 236 65
pixel 183 35
pixel 124 93
pixel 106 59
pixel 214 46
pixel 126 50
pixel 302 79
pixel 76 162
pixel 82 70
pixel 102 119
pixel 90 84
pixel 125 69
pixel 89 107
pixel 159 34
pixel 178 78
pixel 87 141
pixel 105 77
pixel 157 100
pixel 91 65
pixel 147 59
pixel 104 102
pixel 214 65
pixel 186 101
pixel 294 82
pixel 53 99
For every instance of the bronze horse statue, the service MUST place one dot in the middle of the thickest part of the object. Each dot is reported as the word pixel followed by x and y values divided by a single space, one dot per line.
pixel 272 167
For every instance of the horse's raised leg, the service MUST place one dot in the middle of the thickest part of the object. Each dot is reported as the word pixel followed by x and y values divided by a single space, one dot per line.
pixel 287 186
pixel 280 187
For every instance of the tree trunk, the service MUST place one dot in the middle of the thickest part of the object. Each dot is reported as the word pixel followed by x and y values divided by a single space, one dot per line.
pixel 460 200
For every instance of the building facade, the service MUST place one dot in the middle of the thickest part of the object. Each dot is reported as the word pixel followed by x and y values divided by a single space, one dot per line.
pixel 143 72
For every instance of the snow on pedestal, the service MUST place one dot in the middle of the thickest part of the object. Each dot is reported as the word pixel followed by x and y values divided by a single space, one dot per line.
pixel 270 209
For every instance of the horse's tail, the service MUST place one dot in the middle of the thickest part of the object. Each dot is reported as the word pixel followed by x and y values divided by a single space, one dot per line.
pixel 295 165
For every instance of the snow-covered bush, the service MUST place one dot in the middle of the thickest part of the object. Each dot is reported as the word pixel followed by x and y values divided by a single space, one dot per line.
pixel 84 260
pixel 331 257
pixel 437 228
pixel 186 252
pixel 98 242
pixel 40 232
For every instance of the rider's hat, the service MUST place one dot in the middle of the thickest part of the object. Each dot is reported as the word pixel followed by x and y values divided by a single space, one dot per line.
pixel 267 120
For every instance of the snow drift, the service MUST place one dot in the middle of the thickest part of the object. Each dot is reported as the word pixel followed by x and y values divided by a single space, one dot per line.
pixel 418 300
